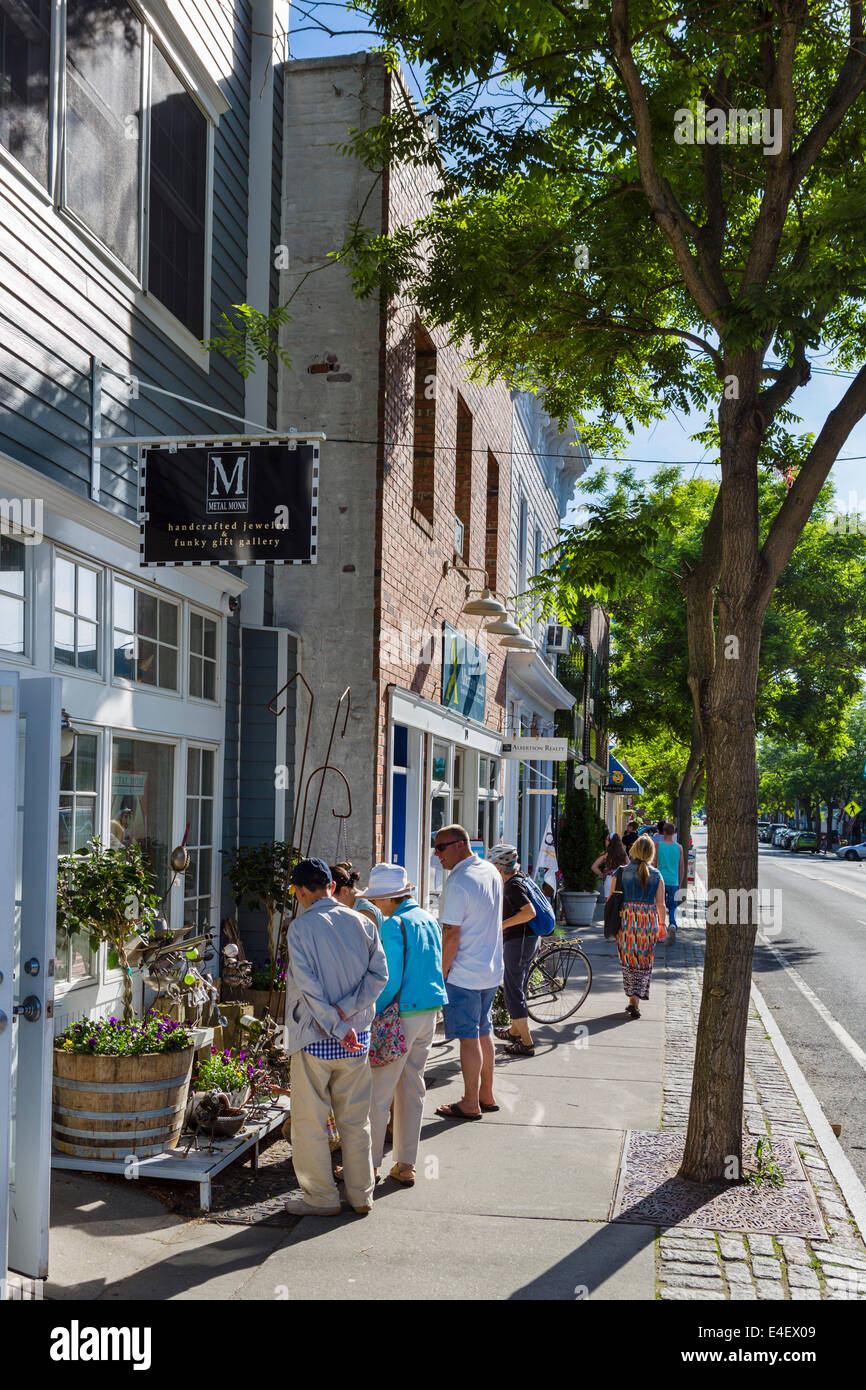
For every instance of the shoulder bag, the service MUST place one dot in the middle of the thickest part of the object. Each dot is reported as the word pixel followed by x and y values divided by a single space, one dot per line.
pixel 613 909
pixel 387 1039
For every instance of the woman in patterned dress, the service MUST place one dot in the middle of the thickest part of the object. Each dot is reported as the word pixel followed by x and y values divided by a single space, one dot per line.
pixel 643 916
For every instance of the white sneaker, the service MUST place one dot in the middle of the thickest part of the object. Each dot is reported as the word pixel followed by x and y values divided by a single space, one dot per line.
pixel 297 1205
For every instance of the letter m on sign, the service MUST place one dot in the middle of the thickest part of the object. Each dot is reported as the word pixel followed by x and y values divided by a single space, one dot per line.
pixel 219 479
pixel 228 480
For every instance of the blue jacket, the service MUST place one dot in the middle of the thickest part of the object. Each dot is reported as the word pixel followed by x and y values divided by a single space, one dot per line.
pixel 423 985
pixel 335 960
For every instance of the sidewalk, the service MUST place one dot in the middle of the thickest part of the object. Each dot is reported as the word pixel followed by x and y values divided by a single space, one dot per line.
pixel 514 1206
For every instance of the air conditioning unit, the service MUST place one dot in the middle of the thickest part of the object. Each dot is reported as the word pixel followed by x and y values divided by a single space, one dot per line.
pixel 459 535
pixel 558 638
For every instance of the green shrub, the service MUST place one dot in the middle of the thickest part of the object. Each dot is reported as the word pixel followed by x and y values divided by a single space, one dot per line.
pixel 579 843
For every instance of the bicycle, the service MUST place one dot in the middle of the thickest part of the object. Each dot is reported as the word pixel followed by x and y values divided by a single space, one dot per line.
pixel 559 981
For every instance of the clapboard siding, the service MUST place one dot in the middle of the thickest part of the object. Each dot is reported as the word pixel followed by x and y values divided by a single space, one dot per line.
pixel 60 305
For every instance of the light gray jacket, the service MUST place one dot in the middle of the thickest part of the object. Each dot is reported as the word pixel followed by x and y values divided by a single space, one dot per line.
pixel 335 961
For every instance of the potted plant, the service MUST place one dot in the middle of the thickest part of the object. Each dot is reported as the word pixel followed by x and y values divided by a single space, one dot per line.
pixel 579 843
pixel 258 875
pixel 232 1073
pixel 98 1113
pixel 98 1110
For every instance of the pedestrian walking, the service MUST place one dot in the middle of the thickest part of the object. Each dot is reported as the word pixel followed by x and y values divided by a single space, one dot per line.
pixel 671 866
pixel 412 941
pixel 336 971
pixel 346 877
pixel 519 949
pixel 631 833
pixel 606 865
pixel 471 915
pixel 642 919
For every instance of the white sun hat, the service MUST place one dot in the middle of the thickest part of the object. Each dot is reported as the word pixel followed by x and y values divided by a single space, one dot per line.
pixel 387 881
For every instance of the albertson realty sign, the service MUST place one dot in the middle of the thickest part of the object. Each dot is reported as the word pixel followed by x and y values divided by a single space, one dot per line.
pixel 230 503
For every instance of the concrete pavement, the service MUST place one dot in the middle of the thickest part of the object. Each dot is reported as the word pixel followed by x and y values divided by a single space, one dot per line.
pixel 513 1206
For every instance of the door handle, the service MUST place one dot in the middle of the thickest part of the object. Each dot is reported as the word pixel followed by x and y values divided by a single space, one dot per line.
pixel 31 1009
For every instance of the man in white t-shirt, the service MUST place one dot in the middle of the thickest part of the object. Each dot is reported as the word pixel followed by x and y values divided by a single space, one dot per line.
pixel 470 911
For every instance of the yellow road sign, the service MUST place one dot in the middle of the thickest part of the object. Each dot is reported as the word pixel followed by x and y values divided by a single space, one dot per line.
pixel 852 808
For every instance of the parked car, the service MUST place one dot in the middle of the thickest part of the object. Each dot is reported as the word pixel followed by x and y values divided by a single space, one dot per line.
pixel 764 829
pixel 852 852
pixel 803 839
pixel 780 833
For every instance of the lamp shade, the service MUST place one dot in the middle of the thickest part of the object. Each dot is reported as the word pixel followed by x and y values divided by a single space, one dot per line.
pixel 485 607
pixel 503 627
pixel 518 644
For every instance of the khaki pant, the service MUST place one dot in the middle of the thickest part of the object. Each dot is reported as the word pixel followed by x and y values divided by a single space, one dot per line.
pixel 319 1086
pixel 403 1082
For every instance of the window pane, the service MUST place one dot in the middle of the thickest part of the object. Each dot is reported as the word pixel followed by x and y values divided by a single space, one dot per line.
pixel 64 585
pixel 145 615
pixel 204 863
pixel 61 968
pixel 11 624
pixel 103 78
pixel 85 762
pixel 85 828
pixel 482 773
pixel 87 646
pixel 205 829
pixel 168 623
pixel 25 60
pixel 80 957
pixel 178 182
pixel 124 607
pixel 64 639
pixel 87 590
pixel 195 676
pixel 124 655
pixel 192 806
pixel 142 787
pixel 207 764
pixel 167 679
pixel 210 639
pixel 193 764
pixel 195 622
pixel 479 831
pixel 12 556
pixel 65 837
pixel 209 680
pixel 146 667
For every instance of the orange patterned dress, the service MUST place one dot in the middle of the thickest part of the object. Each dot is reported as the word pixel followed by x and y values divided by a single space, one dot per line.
pixel 638 933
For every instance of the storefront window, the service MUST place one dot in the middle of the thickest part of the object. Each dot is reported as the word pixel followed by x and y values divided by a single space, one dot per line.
pixel 145 637
pixel 12 559
pixel 197 886
pixel 76 615
pixel 78 824
pixel 142 784
pixel 202 657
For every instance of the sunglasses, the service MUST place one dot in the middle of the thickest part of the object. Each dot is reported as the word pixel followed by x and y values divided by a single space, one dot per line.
pixel 437 849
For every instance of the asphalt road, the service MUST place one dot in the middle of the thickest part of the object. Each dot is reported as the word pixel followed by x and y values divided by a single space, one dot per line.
pixel 816 992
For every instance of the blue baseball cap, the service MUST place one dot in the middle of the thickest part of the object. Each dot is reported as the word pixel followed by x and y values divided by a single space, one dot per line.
pixel 311 873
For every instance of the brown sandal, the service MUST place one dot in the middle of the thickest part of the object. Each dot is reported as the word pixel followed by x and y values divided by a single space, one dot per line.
pixel 403 1173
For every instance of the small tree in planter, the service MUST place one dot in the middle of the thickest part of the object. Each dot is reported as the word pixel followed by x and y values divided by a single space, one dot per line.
pixel 108 893
pixel 258 874
pixel 579 843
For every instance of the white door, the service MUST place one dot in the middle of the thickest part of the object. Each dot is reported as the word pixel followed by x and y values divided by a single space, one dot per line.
pixel 8 761
pixel 32 942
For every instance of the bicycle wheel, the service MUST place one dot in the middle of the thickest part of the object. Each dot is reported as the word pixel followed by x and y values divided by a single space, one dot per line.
pixel 559 981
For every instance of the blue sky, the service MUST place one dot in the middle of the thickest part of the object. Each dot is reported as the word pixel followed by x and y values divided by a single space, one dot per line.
pixel 668 441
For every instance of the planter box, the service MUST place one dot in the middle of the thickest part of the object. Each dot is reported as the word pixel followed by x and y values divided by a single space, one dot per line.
pixel 579 908
pixel 112 1107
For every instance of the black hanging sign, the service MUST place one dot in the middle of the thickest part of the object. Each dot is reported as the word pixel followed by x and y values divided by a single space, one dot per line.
pixel 230 503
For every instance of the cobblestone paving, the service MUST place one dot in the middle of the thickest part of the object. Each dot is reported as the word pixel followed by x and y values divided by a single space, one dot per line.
pixel 714 1266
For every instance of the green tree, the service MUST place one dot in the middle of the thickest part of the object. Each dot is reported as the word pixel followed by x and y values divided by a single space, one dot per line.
pixel 593 235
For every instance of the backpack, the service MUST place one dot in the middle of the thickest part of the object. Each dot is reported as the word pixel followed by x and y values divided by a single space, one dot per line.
pixel 543 923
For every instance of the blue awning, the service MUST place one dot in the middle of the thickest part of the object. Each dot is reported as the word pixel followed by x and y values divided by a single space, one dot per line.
pixel 619 779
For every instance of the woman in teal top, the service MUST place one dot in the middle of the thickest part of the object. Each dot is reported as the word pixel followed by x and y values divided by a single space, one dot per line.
pixel 669 857
pixel 412 940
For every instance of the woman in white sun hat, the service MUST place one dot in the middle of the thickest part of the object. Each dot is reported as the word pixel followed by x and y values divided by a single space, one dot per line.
pixel 412 941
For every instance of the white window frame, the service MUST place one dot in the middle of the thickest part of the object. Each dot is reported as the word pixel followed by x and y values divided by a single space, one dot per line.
pixel 179 50
pixel 216 798
pixel 161 595
pixel 60 667
pixel 99 958
pixel 194 610
pixel 25 658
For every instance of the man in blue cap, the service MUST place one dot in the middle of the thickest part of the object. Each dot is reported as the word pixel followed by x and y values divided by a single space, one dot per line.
pixel 336 973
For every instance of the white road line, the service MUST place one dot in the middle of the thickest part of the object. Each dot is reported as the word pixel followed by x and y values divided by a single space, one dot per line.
pixel 851 1047
pixel 834 883
pixel 821 1010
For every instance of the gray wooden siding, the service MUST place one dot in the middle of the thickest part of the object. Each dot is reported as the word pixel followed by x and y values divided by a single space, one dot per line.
pixel 56 310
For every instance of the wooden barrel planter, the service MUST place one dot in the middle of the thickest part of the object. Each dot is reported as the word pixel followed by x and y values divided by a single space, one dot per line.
pixel 111 1107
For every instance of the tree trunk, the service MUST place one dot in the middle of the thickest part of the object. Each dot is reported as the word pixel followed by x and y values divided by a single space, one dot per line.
pixel 686 789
